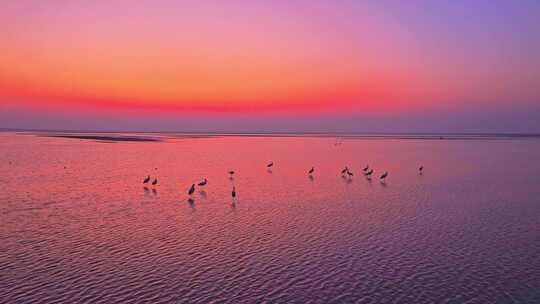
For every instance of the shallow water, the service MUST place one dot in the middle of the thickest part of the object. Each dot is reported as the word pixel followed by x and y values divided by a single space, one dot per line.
pixel 77 225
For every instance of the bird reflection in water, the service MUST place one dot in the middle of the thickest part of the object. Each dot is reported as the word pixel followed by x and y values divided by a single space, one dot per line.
pixel 233 195
pixel 202 193
pixel 191 203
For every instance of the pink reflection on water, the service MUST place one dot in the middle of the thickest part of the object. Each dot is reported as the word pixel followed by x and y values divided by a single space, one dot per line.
pixel 76 210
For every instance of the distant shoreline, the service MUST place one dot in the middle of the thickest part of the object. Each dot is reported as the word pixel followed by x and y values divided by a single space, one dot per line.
pixel 105 138
pixel 131 135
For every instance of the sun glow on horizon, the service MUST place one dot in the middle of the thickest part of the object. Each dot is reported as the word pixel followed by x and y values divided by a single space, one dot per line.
pixel 257 57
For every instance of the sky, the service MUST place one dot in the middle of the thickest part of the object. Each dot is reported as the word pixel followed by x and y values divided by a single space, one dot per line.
pixel 271 66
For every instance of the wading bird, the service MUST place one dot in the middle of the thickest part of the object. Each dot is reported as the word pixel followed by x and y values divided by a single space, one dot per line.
pixel 203 183
pixel 344 170
pixel 368 174
pixel 154 182
pixel 385 174
pixel 311 170
pixel 231 173
pixel 270 165
pixel 233 193
pixel 421 169
pixel 366 168
pixel 191 189
pixel 146 180
pixel 350 174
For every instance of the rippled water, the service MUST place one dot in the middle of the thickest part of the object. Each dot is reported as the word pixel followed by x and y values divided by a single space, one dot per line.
pixel 77 225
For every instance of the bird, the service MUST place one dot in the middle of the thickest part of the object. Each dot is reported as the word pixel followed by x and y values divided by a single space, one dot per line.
pixel 154 182
pixel 421 169
pixel 368 174
pixel 233 193
pixel 311 170
pixel 344 170
pixel 366 168
pixel 203 183
pixel 270 165
pixel 191 189
pixel 146 180
pixel 385 174
pixel 231 173
pixel 350 174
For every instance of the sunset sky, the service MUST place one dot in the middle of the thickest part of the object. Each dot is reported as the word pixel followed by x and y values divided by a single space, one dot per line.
pixel 284 66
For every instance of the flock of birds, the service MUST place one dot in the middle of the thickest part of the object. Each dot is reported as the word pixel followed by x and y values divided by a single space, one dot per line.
pixel 346 173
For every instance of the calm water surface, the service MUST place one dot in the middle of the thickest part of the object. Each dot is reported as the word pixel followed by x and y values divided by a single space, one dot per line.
pixel 77 225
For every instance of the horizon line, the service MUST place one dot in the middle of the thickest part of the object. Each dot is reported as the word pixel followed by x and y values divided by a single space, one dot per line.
pixel 336 133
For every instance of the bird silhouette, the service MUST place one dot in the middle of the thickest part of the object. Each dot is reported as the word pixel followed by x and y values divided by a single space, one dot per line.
pixel 344 170
pixel 350 174
pixel 203 183
pixel 146 180
pixel 421 169
pixel 311 170
pixel 383 177
pixel 154 182
pixel 191 189
pixel 270 165
pixel 368 174
pixel 231 173
pixel 366 168
pixel 233 193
